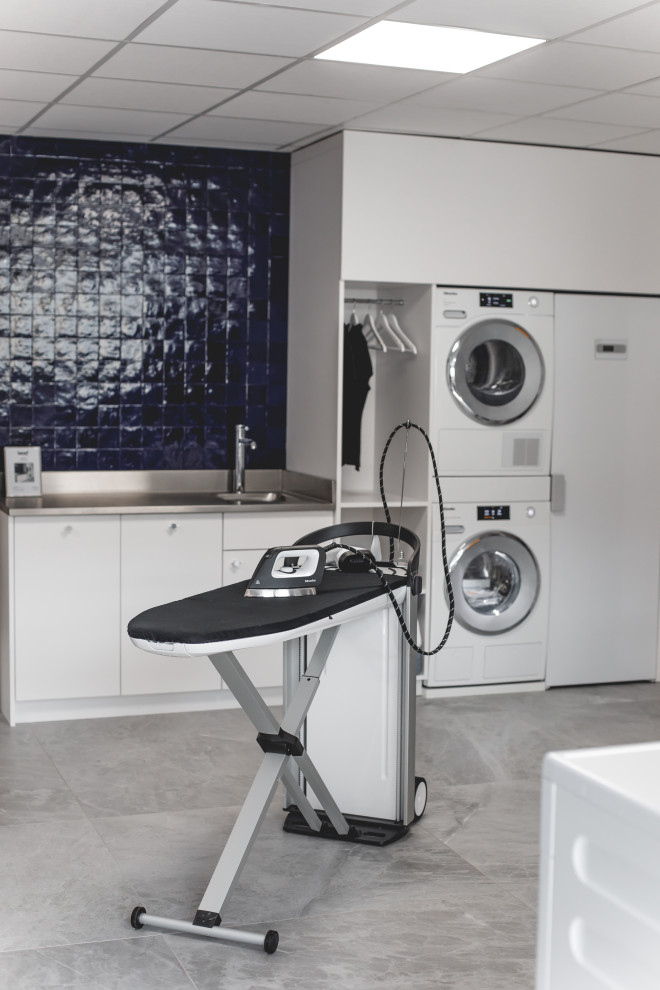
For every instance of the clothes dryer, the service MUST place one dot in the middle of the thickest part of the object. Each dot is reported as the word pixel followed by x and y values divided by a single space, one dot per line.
pixel 492 381
pixel 498 548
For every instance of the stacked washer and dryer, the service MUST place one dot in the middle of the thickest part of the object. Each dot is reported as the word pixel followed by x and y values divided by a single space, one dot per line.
pixel 492 399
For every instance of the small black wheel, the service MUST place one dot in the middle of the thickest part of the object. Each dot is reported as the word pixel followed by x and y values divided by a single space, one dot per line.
pixel 136 915
pixel 421 794
pixel 271 941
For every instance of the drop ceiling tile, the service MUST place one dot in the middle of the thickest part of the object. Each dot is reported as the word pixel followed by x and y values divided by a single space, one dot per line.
pixel 80 18
pixel 639 29
pixel 303 109
pixel 40 86
pixel 16 112
pixel 133 95
pixel 193 66
pixel 647 143
pixel 529 18
pixel 244 27
pixel 568 64
pixel 500 96
pixel 100 119
pixel 550 130
pixel 274 133
pixel 426 120
pixel 347 80
pixel 48 53
pixel 616 108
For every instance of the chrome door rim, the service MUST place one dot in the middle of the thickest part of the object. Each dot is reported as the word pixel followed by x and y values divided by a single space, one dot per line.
pixel 523 344
pixel 516 550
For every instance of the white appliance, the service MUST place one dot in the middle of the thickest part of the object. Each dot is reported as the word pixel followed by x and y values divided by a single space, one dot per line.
pixel 493 381
pixel 498 547
pixel 599 913
pixel 605 490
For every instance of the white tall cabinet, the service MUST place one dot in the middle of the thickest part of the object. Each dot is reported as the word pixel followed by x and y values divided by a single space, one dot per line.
pixel 605 546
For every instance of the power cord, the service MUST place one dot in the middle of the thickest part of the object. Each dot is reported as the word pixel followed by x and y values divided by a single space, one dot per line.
pixel 366 562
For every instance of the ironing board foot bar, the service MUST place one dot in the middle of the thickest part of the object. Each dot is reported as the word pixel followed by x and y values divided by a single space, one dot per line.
pixel 267 942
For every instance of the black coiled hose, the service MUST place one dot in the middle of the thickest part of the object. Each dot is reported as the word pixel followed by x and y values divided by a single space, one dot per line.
pixel 450 594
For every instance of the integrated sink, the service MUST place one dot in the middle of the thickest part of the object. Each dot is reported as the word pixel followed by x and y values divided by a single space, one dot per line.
pixel 252 498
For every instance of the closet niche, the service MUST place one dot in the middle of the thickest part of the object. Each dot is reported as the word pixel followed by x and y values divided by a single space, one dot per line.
pixel 395 322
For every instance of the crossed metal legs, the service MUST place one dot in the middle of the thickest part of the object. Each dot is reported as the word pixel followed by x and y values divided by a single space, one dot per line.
pixel 283 756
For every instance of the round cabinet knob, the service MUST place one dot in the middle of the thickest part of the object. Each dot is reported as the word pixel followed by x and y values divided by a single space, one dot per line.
pixel 236 565
pixel 66 530
pixel 533 301
pixel 172 527
pixel 531 511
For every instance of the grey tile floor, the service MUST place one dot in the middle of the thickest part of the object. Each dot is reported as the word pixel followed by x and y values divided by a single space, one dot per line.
pixel 98 816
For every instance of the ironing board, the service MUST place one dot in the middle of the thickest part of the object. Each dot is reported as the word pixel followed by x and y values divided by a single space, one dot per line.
pixel 216 623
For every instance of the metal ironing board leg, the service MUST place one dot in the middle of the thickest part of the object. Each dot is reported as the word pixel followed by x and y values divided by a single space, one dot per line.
pixel 263 720
pixel 282 749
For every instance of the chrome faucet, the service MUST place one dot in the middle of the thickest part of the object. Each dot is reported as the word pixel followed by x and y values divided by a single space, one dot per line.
pixel 239 456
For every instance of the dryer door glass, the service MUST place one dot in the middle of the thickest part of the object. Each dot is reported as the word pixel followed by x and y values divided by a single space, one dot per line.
pixel 491 582
pixel 495 371
pixel 495 580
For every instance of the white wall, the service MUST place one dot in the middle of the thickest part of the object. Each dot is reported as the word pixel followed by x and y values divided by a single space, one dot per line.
pixel 314 352
pixel 459 212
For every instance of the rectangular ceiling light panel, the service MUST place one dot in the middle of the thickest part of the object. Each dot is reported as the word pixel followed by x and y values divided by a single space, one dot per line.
pixel 420 46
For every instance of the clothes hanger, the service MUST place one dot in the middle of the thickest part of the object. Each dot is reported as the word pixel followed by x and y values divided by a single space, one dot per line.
pixel 396 329
pixel 382 321
pixel 371 328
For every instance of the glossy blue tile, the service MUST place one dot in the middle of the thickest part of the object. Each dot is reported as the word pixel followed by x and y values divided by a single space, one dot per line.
pixel 126 273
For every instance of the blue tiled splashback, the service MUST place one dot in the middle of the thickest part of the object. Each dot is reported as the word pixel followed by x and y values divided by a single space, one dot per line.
pixel 143 294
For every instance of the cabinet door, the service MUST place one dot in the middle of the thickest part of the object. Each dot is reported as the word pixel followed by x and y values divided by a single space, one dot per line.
pixel 263 664
pixel 66 571
pixel 254 530
pixel 165 558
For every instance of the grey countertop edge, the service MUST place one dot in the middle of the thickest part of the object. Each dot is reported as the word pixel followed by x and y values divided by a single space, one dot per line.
pixel 135 492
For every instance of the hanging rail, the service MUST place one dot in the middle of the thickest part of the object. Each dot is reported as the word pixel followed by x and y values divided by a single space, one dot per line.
pixel 375 302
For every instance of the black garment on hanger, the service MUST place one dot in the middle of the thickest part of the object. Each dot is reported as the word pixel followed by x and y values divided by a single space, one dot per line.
pixel 357 372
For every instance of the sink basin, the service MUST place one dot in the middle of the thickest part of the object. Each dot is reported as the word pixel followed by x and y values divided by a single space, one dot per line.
pixel 251 498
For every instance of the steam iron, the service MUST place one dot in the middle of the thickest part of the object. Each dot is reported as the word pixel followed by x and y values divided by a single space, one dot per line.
pixel 287 572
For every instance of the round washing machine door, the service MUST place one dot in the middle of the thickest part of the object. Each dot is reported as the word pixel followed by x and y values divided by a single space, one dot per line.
pixel 495 371
pixel 495 579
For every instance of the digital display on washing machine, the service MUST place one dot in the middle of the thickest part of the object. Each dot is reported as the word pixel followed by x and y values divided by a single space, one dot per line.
pixel 492 513
pixel 502 300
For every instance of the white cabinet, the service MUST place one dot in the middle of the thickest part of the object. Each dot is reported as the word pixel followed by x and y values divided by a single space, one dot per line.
pixel 66 606
pixel 70 584
pixel 164 558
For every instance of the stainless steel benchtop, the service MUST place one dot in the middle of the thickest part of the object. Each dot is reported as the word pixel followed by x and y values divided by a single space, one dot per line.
pixel 134 492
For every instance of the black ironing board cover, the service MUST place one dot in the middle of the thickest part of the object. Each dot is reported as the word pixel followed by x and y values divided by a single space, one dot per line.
pixel 225 613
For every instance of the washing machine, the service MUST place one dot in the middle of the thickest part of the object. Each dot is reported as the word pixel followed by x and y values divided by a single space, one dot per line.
pixel 498 549
pixel 492 381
